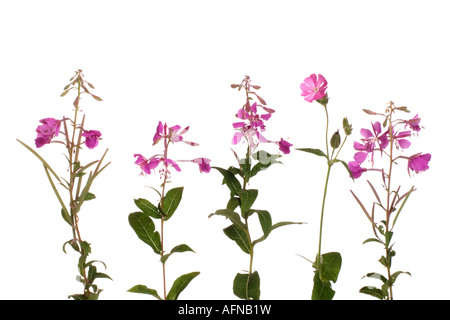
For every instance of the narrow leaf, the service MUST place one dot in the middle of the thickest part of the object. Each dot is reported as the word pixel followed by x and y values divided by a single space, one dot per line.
pixel 317 152
pixel 143 289
pixel 179 248
pixel 372 291
pixel 239 236
pixel 180 284
pixel 230 180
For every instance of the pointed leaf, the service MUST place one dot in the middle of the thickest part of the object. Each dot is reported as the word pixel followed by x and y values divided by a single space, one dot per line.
pixel 179 248
pixel 239 236
pixel 230 180
pixel 180 284
pixel 143 289
pixel 330 266
pixel 317 152
pixel 145 230
pixel 373 291
pixel 247 197
pixel 233 216
pixel 148 208
pixel 171 201
pixel 322 289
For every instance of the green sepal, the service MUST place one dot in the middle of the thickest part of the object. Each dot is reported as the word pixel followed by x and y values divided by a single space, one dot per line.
pixel 180 284
pixel 247 286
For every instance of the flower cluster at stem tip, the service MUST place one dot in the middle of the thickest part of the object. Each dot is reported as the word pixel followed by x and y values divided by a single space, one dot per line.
pixel 378 140
pixel 169 134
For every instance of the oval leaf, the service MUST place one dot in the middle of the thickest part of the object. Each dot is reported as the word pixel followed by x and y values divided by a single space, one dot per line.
pixel 145 230
pixel 171 201
pixel 148 208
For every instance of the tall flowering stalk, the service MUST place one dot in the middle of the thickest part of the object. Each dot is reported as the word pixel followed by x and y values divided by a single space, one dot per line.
pixel 72 134
pixel 327 265
pixel 143 222
pixel 388 141
pixel 249 130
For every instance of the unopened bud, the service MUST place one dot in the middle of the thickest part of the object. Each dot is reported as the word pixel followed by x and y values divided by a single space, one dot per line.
pixel 347 127
pixel 335 140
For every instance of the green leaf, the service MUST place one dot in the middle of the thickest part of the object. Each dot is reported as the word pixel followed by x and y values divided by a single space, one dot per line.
pixel 247 197
pixel 239 236
pixel 265 220
pixel 180 284
pixel 246 286
pixel 230 180
pixel 396 274
pixel 322 289
pixel 346 167
pixel 233 216
pixel 330 266
pixel 89 196
pixel 233 203
pixel 171 201
pixel 145 230
pixel 273 227
pixel 179 248
pixel 148 208
pixel 143 289
pixel 317 152
pixel 372 240
pixel 373 291
pixel 375 275
pixel 265 160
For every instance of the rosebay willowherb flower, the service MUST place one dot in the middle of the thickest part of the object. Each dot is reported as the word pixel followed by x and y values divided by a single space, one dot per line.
pixel 249 132
pixel 383 149
pixel 70 133
pixel 143 222
pixel 328 265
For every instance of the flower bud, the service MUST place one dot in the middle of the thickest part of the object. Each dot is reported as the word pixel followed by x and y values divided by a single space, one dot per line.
pixel 347 127
pixel 335 140
pixel 323 101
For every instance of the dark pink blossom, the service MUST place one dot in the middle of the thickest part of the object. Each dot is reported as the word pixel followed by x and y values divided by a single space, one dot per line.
pixel 173 134
pixel 92 138
pixel 203 164
pixel 47 131
pixel 149 164
pixel 419 162
pixel 356 169
pixel 314 87
pixel 252 127
pixel 414 123
pixel 284 146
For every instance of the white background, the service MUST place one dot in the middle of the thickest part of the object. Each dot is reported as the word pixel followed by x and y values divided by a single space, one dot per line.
pixel 174 61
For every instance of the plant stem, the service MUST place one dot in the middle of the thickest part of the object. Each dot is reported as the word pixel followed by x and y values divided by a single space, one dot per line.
pixel 319 260
pixel 166 147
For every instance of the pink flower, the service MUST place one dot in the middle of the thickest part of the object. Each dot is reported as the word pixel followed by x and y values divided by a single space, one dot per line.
pixel 203 164
pixel 371 140
pixel 252 127
pixel 171 133
pixel 355 169
pixel 419 162
pixel 284 146
pixel 47 131
pixel 92 138
pixel 153 162
pixel 313 87
pixel 414 123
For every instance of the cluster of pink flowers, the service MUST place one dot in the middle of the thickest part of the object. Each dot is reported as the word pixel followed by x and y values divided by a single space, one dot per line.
pixel 252 127
pixel 169 134
pixel 50 128
pixel 377 140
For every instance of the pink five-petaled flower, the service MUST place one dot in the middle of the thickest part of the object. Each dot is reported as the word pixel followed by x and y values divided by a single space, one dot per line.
pixel 284 146
pixel 203 164
pixel 414 123
pixel 92 138
pixel 47 131
pixel 418 162
pixel 313 87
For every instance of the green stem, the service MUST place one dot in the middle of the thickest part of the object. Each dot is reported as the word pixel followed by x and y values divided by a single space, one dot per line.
pixel 321 219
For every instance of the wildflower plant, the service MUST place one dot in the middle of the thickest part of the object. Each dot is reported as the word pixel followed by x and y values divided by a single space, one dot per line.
pixel 327 265
pixel 388 142
pixel 143 222
pixel 249 131
pixel 72 134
